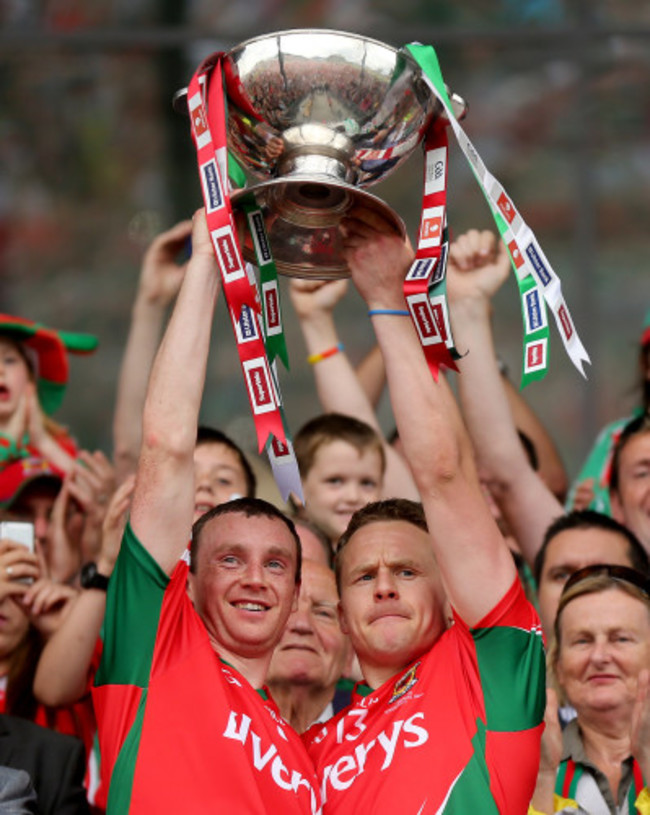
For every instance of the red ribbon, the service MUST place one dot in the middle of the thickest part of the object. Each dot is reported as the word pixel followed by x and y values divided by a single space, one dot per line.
pixel 206 105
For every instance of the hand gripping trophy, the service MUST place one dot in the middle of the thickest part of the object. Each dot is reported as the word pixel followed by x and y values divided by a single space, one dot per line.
pixel 291 128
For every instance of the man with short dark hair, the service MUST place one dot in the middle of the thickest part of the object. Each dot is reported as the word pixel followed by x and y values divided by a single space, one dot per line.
pixel 185 724
pixel 573 541
pixel 449 720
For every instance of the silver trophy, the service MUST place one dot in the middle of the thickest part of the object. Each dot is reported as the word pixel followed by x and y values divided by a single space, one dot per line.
pixel 314 117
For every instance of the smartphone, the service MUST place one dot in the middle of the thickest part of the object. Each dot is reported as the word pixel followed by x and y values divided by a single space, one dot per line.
pixel 19 532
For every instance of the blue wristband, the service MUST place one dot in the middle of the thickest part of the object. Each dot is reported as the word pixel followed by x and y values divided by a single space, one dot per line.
pixel 396 311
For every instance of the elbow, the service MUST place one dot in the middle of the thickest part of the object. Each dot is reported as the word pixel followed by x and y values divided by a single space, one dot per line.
pixel 55 694
pixel 173 442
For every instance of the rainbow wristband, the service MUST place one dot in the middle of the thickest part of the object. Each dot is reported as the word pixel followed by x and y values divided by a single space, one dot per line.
pixel 312 359
pixel 400 312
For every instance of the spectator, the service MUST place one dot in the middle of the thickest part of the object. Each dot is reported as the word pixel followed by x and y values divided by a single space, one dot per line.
pixel 312 655
pixel 314 543
pixel 442 724
pixel 592 484
pixel 17 795
pixel 573 542
pixel 478 267
pixel 33 376
pixel 224 747
pixel 31 613
pixel 342 464
pixel 160 280
pixel 630 478
pixel 67 512
pixel 339 388
pixel 600 659
pixel 53 762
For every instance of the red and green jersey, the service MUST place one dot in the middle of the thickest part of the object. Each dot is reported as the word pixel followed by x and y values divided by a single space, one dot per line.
pixel 457 732
pixel 179 730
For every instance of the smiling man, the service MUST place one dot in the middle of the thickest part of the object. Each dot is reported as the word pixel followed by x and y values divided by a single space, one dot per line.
pixel 185 725
pixel 449 719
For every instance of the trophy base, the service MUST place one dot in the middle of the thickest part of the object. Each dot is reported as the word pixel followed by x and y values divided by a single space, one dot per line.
pixel 302 216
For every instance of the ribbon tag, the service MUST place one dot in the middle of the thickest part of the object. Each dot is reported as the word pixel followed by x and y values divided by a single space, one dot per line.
pixel 283 461
pixel 527 257
pixel 271 305
pixel 206 103
pixel 424 286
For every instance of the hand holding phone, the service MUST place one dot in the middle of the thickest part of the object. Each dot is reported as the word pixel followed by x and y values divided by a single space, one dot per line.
pixel 18 563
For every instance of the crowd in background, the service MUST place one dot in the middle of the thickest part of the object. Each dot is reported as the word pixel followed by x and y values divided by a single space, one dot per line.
pixel 577 543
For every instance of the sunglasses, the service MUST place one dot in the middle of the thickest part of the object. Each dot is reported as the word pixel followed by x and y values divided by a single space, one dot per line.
pixel 621 573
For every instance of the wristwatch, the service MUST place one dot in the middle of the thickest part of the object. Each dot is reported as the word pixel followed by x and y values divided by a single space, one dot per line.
pixel 90 578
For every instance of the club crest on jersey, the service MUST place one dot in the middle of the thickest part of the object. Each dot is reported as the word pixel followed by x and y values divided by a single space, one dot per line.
pixel 211 186
pixel 258 230
pixel 507 207
pixel 538 264
pixel 404 684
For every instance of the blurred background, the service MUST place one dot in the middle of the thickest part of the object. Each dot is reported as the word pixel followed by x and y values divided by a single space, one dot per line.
pixel 95 163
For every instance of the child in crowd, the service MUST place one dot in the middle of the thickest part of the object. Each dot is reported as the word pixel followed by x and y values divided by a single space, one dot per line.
pixel 342 465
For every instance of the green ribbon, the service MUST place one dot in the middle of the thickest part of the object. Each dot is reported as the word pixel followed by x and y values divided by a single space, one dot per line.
pixel 274 339
pixel 427 59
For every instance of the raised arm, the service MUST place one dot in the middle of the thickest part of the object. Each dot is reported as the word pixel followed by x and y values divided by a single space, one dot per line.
pixel 160 280
pixel 65 663
pixel 477 268
pixel 475 564
pixel 163 499
pixel 338 386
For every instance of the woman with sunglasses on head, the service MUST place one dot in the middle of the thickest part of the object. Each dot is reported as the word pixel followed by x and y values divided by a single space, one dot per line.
pixel 600 663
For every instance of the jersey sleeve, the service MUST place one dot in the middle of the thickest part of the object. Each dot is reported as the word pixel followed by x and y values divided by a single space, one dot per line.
pixel 134 599
pixel 133 606
pixel 511 664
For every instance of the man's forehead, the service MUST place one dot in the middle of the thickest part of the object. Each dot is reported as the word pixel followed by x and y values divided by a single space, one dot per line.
pixel 40 490
pixel 586 546
pixel 236 528
pixel 318 582
pixel 390 531
pixel 388 541
pixel 637 449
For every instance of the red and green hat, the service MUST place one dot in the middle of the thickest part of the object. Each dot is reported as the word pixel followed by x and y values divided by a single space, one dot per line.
pixel 50 348
pixel 18 475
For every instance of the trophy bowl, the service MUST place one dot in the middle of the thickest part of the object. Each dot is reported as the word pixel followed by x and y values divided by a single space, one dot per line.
pixel 314 117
